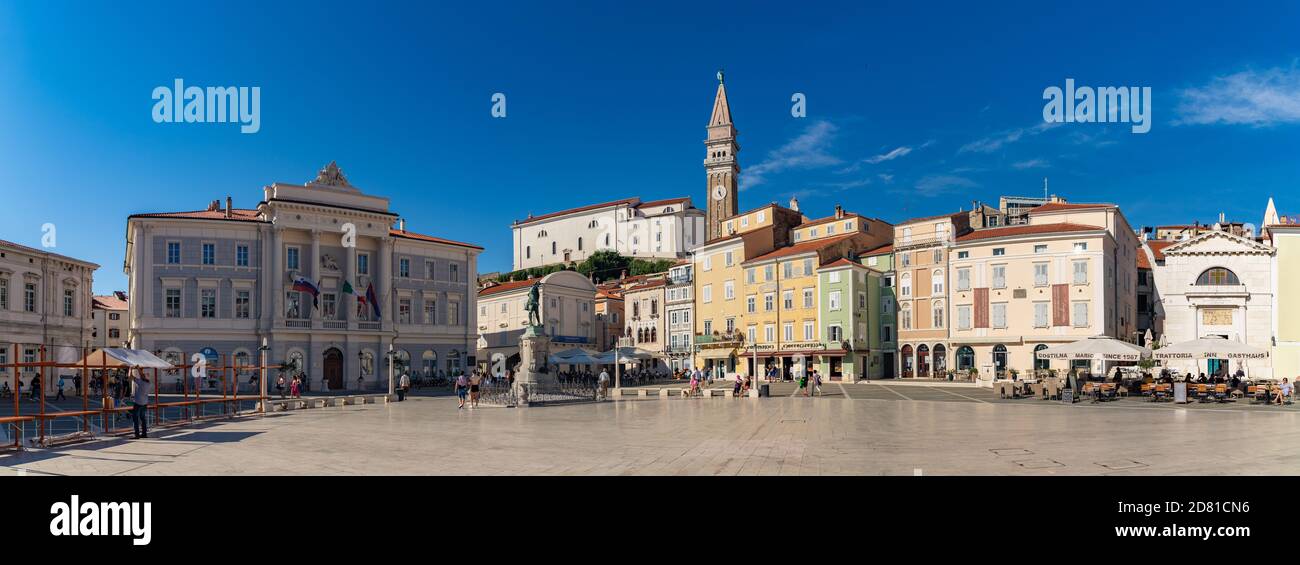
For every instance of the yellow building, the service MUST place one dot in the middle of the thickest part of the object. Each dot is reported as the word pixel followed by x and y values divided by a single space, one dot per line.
pixel 1286 313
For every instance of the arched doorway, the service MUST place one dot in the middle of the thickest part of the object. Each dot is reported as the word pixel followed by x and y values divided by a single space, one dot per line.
pixel 940 360
pixel 906 355
pixel 999 358
pixel 1041 364
pixel 965 358
pixel 333 368
pixel 923 361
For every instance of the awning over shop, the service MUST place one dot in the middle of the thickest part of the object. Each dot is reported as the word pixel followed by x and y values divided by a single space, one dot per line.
pixel 717 353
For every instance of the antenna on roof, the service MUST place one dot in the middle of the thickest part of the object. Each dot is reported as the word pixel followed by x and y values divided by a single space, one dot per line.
pixel 1044 188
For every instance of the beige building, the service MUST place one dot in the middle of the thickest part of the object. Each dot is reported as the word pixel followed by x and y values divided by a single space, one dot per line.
pixel 1286 311
pixel 44 300
pixel 1069 273
pixel 109 315
pixel 921 254
pixel 662 229
pixel 643 304
pixel 609 316
pixel 567 312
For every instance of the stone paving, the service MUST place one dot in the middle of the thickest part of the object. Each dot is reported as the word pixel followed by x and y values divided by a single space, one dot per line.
pixel 885 429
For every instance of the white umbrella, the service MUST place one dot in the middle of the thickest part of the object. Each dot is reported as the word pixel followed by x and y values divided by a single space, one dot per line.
pixel 1213 347
pixel 1099 347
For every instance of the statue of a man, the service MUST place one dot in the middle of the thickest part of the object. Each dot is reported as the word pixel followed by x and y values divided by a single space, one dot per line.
pixel 534 304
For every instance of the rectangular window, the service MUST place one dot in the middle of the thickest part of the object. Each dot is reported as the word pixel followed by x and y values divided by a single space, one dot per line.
pixel 963 279
pixel 749 275
pixel 241 256
pixel 835 333
pixel 887 333
pixel 1080 272
pixel 767 273
pixel 1080 246
pixel 29 297
pixel 731 325
pixel 455 272
pixel 963 254
pixel 769 302
pixel 808 331
pixel 209 254
pixel 830 230
pixel 173 253
pixel 208 302
pixel 886 305
pixel 999 315
pixel 938 256
pixel 67 302
pixel 1042 248
pixel 243 304
pixel 834 300
pixel 751 334
pixel 787 299
pixel 963 317
pixel 807 267
pixel 729 259
pixel 708 262
pixel 999 251
pixel 172 303
pixel 291 258
pixel 1040 314
pixel 431 311
pixel 4 294
pixel 907 259
pixel 706 293
pixel 807 298
pixel 769 333
pixel 729 289
pixel 404 268
pixel 708 327
pixel 999 276
pixel 750 304
pixel 453 312
pixel 833 276
pixel 1040 274
pixel 329 306
pixel 429 270
pixel 363 263
pixel 787 331
pixel 404 310
pixel 788 269
pixel 1080 317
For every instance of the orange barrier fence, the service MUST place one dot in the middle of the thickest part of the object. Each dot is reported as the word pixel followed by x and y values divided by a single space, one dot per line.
pixel 113 383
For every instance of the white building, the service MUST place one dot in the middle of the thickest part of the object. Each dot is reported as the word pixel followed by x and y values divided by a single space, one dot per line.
pixel 679 307
pixel 219 281
pixel 568 312
pixel 664 229
pixel 1218 284
pixel 111 323
pixel 44 300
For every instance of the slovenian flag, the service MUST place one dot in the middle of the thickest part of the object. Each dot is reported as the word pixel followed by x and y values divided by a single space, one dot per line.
pixel 372 299
pixel 301 284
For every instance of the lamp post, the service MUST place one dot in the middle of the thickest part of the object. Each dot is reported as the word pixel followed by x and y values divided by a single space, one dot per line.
pixel 392 356
pixel 361 359
pixel 262 381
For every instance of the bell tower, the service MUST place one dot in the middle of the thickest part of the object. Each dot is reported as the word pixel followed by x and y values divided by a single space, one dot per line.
pixel 720 167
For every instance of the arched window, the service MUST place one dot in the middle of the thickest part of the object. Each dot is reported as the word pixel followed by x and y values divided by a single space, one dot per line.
pixel 1217 276
pixel 528 252
pixel 940 359
pixel 1041 364
pixel 1000 357
pixel 906 358
pixel 580 244
pixel 965 358
pixel 429 361
pixel 242 361
pixel 552 248
pixel 905 283
pixel 923 361
pixel 938 312
pixel 905 316
pixel 938 282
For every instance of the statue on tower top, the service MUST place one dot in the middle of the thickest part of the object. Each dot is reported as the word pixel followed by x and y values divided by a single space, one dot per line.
pixel 719 76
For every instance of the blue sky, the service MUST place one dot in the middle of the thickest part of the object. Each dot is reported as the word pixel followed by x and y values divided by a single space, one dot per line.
pixel 913 108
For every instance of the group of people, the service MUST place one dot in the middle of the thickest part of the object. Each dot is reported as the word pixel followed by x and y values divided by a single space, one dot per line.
pixel 33 387
pixel 294 385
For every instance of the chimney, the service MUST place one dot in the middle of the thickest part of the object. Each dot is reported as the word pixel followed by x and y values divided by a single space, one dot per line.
pixel 214 205
pixel 401 224
pixel 229 207
pixel 839 211
pixel 1222 218
pixel 794 204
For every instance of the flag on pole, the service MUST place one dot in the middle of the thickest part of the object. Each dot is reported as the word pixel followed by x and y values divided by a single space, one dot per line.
pixel 347 288
pixel 372 299
pixel 301 284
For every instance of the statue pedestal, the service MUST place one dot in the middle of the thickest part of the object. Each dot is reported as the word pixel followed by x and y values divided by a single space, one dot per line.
pixel 534 350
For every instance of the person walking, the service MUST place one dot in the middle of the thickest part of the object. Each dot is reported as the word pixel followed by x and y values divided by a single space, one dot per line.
pixel 604 383
pixel 474 383
pixel 740 382
pixel 295 388
pixel 279 386
pixel 462 390
pixel 817 382
pixel 139 403
pixel 403 384
pixel 36 387
pixel 803 383
pixel 59 384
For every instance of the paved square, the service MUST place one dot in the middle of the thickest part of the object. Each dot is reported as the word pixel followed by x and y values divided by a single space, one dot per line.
pixel 963 431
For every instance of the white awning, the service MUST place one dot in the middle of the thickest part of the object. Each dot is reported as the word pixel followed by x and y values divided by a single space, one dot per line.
pixel 1210 348
pixel 118 357
pixel 1102 348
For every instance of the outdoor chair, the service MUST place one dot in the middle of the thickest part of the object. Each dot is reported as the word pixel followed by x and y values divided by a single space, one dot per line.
pixel 1160 393
pixel 1221 392
pixel 1145 390
pixel 1202 392
pixel 1258 394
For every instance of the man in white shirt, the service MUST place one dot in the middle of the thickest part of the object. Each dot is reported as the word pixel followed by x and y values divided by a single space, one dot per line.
pixel 604 383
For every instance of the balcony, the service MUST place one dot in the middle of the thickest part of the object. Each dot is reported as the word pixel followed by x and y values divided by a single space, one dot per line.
pixel 901 244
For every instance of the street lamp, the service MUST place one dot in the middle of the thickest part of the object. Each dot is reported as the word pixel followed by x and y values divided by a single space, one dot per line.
pixel 392 357
pixel 361 359
pixel 262 381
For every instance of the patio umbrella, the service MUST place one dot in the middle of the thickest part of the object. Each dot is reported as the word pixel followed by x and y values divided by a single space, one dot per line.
pixel 117 357
pixel 1100 347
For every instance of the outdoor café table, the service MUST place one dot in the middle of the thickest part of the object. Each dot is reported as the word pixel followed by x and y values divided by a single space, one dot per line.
pixel 1037 388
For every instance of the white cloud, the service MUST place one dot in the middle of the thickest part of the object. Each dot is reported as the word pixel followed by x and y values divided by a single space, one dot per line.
pixel 808 150
pixel 886 177
pixel 1257 98
pixel 1030 164
pixel 995 142
pixel 934 185
pixel 890 156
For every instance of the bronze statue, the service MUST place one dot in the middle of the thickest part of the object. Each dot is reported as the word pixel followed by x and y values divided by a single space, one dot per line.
pixel 534 304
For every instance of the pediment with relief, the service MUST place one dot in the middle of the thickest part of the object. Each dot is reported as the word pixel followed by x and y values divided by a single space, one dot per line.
pixel 1218 243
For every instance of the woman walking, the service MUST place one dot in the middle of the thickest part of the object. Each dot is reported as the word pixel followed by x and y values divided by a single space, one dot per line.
pixel 462 390
pixel 803 383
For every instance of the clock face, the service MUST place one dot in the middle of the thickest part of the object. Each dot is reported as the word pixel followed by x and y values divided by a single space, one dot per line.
pixel 719 192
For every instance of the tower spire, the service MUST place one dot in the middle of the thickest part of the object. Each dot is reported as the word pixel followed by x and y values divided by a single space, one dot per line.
pixel 720 166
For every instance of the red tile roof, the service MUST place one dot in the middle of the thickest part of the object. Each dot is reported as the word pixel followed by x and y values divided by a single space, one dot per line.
pixel 664 202
pixel 109 302
pixel 820 221
pixel 882 250
pixel 1158 248
pixel 236 215
pixel 1061 207
pixel 506 287
pixel 841 262
pixel 647 285
pixel 1026 230
pixel 1142 261
pixel 800 248
pixel 627 201
pixel 421 237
